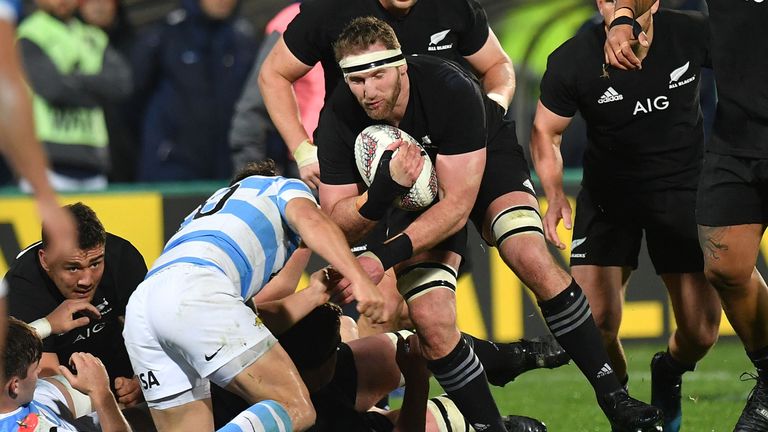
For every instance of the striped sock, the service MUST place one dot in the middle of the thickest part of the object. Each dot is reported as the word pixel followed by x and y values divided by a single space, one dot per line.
pixel 265 416
pixel 461 375
pixel 569 318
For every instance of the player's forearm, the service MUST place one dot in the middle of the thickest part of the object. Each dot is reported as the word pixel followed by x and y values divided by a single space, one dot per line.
pixel 638 6
pixel 283 109
pixel 280 315
pixel 500 80
pixel 439 222
pixel 547 160
pixel 347 216
pixel 110 417
pixel 19 143
pixel 326 239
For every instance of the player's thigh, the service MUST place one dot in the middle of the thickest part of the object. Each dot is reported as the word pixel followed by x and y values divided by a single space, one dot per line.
pixel 194 416
pixel 167 380
pixel 272 376
pixel 671 233
pixel 605 232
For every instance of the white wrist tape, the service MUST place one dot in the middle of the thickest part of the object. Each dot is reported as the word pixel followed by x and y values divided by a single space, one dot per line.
pixel 305 154
pixel 42 327
pixel 499 99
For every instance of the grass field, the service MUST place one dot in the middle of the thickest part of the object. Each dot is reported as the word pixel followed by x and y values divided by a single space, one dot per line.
pixel 713 395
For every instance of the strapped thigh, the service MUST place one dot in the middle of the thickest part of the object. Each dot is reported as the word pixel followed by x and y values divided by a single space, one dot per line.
pixel 522 219
pixel 419 279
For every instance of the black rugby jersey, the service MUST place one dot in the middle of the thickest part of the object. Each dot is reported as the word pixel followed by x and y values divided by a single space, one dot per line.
pixel 449 29
pixel 33 295
pixel 740 58
pixel 447 113
pixel 644 127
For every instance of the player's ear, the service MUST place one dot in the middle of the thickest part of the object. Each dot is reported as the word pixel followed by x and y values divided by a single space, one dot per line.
pixel 43 260
pixel 402 69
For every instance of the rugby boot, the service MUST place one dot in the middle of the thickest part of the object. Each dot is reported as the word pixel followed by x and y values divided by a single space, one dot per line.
pixel 525 355
pixel 754 418
pixel 627 414
pixel 515 423
pixel 666 393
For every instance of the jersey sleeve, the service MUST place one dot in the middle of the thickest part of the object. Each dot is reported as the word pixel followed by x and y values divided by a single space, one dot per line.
pixel 460 111
pixel 558 91
pixel 291 189
pixel 304 36
pixel 474 36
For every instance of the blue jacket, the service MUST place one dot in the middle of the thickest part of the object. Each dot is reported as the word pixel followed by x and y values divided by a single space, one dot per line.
pixel 189 72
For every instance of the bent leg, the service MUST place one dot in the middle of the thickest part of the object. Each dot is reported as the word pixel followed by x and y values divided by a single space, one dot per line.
pixel 428 285
pixel 697 312
pixel 730 254
pixel 273 377
pixel 604 288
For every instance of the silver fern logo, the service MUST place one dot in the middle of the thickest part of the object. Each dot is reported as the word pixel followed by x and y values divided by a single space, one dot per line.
pixel 677 74
pixel 436 39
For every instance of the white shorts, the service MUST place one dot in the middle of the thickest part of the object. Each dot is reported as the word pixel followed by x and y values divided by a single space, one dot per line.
pixel 182 326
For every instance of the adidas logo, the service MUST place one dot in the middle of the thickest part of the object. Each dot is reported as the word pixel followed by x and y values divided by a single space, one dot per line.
pixel 610 95
pixel 605 370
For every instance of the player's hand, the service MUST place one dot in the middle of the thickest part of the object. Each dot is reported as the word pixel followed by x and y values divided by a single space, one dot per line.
pixel 60 229
pixel 91 378
pixel 370 302
pixel 310 174
pixel 620 46
pixel 322 284
pixel 409 358
pixel 406 163
pixel 558 208
pixel 61 319
pixel 128 391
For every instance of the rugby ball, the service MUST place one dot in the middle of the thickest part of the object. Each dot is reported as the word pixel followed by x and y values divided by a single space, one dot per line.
pixel 370 145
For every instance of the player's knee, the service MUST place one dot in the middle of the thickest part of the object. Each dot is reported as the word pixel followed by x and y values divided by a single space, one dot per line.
pixel 303 415
pixel 516 221
pixel 698 335
pixel 728 277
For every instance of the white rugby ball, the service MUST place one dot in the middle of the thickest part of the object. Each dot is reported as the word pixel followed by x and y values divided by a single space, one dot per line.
pixel 370 145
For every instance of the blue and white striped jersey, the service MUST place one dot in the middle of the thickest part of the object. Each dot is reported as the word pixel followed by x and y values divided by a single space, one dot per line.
pixel 10 10
pixel 240 230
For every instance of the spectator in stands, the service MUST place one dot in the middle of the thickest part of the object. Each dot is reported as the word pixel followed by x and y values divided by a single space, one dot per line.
pixel 111 17
pixel 103 270
pixel 253 136
pixel 72 72
pixel 189 72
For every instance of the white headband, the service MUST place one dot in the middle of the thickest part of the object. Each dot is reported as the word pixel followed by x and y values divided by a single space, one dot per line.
pixel 371 61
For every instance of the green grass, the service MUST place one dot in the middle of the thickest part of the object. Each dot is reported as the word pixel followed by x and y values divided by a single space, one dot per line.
pixel 713 395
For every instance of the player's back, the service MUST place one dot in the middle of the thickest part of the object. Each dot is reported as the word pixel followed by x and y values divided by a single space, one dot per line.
pixel 241 230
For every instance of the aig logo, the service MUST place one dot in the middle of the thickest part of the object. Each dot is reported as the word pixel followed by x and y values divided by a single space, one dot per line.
pixel 658 104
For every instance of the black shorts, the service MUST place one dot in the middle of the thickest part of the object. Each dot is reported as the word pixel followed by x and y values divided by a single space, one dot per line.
pixel 506 170
pixel 732 191
pixel 609 228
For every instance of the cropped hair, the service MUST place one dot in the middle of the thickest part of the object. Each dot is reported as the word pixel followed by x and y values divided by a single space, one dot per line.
pixel 90 231
pixel 23 347
pixel 361 33
pixel 263 168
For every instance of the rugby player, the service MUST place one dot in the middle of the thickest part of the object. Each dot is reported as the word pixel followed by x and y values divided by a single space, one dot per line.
pixel 187 324
pixel 483 176
pixel 732 204
pixel 458 32
pixel 641 169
